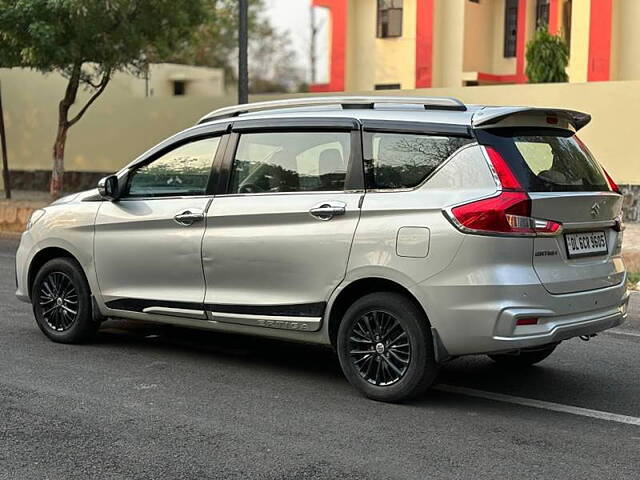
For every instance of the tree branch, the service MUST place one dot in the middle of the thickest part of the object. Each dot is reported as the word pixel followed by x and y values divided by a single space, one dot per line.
pixel 101 86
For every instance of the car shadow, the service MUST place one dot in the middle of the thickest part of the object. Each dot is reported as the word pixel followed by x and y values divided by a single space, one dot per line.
pixel 552 380
pixel 266 352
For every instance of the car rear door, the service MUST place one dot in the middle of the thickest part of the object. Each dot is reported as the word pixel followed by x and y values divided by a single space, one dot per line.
pixel 566 185
pixel 280 229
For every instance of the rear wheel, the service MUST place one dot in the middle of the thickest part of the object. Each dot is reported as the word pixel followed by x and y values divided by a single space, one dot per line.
pixel 62 302
pixel 524 358
pixel 385 347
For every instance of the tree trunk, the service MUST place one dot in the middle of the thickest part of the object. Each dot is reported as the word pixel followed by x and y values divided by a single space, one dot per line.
pixel 57 171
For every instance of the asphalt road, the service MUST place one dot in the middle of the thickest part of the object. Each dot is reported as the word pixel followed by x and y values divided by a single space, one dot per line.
pixel 155 402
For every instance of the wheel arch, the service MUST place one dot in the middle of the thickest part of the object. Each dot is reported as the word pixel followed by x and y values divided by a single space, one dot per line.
pixel 357 289
pixel 42 257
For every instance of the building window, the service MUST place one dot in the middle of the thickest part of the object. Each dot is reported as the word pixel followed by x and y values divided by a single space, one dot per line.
pixel 566 21
pixel 510 28
pixel 389 18
pixel 387 86
pixel 542 14
pixel 179 88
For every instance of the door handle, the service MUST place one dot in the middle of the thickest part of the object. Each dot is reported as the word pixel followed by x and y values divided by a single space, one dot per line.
pixel 189 217
pixel 328 210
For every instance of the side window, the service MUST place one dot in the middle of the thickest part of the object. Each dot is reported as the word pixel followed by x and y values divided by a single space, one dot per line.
pixel 290 162
pixel 399 160
pixel 180 172
pixel 510 28
pixel 389 21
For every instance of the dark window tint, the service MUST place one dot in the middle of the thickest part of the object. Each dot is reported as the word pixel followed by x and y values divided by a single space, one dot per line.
pixel 183 171
pixel 548 162
pixel 399 160
pixel 389 18
pixel 179 88
pixel 566 21
pixel 291 162
pixel 510 27
pixel 542 14
pixel 387 86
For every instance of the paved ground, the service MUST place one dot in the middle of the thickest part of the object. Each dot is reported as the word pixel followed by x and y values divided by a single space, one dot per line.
pixel 150 402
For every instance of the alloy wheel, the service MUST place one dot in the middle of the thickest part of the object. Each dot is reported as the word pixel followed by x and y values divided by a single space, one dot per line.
pixel 379 348
pixel 58 301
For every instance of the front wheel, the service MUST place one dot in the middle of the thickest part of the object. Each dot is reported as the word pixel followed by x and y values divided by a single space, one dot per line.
pixel 62 302
pixel 385 347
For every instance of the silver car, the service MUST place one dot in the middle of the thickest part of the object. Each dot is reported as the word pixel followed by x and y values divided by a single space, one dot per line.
pixel 402 231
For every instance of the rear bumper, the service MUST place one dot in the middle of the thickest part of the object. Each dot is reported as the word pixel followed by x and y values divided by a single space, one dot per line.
pixel 482 319
pixel 553 329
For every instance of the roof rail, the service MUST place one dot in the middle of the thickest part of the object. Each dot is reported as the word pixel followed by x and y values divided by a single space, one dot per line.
pixel 429 103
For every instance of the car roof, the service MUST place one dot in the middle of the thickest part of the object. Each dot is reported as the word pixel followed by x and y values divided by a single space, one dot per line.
pixel 377 107
pixel 441 110
pixel 390 113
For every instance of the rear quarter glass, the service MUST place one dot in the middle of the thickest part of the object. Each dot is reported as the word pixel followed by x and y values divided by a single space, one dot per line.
pixel 547 160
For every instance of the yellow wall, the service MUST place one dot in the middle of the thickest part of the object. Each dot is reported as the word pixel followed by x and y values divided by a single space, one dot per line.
pixel 361 53
pixel 119 126
pixel 625 41
pixel 396 57
pixel 579 61
pixel 500 64
pixel 478 37
pixel 371 60
pixel 199 81
pixel 448 42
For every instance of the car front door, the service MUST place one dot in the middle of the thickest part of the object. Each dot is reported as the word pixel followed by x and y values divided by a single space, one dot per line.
pixel 279 233
pixel 148 243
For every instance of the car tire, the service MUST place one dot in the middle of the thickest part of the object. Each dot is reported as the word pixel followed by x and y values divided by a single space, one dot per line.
pixel 399 332
pixel 524 358
pixel 61 301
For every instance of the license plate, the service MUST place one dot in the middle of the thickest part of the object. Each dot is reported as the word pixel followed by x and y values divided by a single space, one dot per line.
pixel 586 243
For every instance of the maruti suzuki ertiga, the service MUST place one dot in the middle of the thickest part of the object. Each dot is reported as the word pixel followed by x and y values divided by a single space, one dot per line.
pixel 402 231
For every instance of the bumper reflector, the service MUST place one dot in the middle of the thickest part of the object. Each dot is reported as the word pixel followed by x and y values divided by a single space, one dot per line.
pixel 526 321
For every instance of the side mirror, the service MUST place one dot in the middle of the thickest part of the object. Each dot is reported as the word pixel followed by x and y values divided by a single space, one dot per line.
pixel 108 187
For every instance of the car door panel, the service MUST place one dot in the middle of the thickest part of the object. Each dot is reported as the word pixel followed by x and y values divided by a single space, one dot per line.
pixel 269 250
pixel 144 256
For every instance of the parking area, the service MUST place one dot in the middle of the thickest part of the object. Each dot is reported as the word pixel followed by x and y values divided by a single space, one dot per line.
pixel 146 401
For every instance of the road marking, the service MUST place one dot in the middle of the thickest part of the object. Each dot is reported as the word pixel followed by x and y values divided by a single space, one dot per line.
pixel 615 331
pixel 529 402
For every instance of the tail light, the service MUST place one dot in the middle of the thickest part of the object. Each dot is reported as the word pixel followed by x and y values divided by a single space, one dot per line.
pixel 508 213
pixel 613 185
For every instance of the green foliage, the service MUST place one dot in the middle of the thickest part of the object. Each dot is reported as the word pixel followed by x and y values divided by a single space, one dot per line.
pixel 49 35
pixel 547 58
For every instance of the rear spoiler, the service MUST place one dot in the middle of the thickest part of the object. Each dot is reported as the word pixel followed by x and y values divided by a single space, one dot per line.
pixel 496 117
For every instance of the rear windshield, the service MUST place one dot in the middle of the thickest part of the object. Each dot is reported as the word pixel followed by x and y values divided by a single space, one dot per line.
pixel 547 160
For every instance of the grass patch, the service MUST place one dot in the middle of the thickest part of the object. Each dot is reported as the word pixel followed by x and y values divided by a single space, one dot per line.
pixel 633 277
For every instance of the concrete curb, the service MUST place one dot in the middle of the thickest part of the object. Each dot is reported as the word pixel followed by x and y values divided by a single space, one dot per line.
pixel 14 219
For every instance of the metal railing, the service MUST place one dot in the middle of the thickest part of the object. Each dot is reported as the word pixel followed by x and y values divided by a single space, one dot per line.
pixel 346 102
